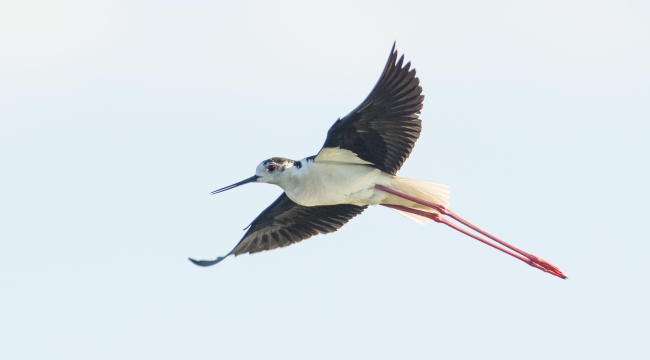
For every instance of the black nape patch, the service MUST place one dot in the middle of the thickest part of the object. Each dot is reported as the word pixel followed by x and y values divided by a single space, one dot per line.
pixel 297 164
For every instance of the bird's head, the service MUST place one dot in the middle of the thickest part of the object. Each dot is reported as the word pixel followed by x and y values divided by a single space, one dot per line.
pixel 271 170
pixel 268 171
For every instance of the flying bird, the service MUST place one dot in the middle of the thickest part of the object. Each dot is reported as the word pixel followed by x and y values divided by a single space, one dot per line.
pixel 356 168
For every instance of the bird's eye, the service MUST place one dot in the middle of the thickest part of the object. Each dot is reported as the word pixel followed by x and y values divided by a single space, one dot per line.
pixel 270 168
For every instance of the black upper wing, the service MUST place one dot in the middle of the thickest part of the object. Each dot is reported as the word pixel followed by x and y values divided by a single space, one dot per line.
pixel 384 128
pixel 284 222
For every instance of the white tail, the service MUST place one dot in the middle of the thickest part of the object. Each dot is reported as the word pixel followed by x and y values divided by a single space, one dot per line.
pixel 430 191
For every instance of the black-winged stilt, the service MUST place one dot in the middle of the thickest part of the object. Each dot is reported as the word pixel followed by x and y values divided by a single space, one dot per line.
pixel 356 168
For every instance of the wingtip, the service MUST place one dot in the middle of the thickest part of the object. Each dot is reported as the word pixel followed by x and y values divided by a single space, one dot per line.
pixel 206 263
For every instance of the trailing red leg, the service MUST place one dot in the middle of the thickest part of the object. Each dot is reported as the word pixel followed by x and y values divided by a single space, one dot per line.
pixel 530 259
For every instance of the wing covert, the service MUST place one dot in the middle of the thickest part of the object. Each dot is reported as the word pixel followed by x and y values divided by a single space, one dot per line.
pixel 284 223
pixel 383 129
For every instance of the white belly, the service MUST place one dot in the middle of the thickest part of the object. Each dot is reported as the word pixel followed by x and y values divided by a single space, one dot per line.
pixel 323 183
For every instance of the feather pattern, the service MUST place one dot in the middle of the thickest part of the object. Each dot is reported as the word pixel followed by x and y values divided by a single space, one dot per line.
pixel 383 129
pixel 284 223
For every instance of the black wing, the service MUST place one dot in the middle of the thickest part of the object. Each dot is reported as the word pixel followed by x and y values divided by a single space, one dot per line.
pixel 384 128
pixel 284 222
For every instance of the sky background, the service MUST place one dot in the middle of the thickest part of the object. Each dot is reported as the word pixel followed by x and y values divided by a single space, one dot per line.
pixel 118 118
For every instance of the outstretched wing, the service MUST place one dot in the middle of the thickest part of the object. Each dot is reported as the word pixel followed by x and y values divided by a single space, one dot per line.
pixel 284 223
pixel 383 129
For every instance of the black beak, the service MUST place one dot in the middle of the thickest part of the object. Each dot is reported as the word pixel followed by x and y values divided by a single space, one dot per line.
pixel 250 179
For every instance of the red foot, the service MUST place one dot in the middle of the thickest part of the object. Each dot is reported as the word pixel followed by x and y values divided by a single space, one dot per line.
pixel 503 246
pixel 546 266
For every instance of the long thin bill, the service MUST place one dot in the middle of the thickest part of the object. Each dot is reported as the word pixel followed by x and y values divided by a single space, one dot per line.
pixel 249 180
pixel 529 259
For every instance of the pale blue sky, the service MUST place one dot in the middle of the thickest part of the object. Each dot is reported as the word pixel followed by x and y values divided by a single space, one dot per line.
pixel 118 118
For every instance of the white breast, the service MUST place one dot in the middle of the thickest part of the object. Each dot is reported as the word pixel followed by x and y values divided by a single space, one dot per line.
pixel 330 183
